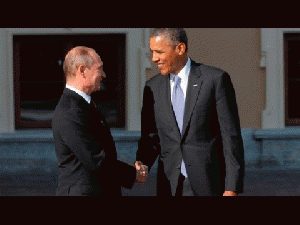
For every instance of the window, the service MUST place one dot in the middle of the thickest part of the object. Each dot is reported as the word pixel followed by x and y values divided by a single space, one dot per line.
pixel 292 78
pixel 39 80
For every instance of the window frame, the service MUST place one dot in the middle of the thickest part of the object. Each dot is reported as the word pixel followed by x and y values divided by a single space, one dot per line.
pixel 272 60
pixel 120 123
pixel 286 38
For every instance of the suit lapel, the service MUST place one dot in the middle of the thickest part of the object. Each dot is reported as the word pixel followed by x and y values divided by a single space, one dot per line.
pixel 193 90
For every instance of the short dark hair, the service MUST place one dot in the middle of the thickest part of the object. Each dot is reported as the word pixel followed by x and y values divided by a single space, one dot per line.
pixel 176 35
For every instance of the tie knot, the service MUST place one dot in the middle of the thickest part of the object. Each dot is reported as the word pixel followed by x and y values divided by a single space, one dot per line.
pixel 94 103
pixel 176 80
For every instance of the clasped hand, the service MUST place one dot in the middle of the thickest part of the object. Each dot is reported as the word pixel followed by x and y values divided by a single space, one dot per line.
pixel 142 172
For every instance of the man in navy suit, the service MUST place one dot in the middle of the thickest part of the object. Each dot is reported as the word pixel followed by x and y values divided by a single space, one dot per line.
pixel 190 121
pixel 85 150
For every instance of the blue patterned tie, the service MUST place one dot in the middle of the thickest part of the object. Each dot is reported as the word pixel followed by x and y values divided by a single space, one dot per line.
pixel 178 107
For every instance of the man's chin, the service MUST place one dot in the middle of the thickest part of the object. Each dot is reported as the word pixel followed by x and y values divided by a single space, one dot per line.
pixel 97 89
pixel 164 73
pixel 101 87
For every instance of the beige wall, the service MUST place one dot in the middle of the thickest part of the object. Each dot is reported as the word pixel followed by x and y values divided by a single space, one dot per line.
pixel 237 51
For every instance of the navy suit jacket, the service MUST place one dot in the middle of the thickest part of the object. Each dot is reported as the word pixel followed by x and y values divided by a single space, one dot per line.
pixel 85 150
pixel 211 143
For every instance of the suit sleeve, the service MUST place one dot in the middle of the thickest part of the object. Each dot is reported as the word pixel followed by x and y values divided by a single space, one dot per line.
pixel 126 174
pixel 73 129
pixel 233 148
pixel 149 144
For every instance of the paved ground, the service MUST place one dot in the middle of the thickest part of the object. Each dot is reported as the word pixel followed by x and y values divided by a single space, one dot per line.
pixel 257 183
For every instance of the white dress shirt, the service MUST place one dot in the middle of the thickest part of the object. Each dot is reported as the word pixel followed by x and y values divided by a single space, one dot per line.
pixel 184 76
pixel 82 94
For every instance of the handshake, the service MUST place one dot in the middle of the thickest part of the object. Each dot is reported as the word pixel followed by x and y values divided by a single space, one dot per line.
pixel 142 172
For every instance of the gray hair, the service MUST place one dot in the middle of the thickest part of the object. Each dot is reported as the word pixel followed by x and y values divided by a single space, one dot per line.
pixel 176 35
pixel 76 57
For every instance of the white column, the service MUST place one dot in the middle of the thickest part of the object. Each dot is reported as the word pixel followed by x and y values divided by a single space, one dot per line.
pixel 6 87
pixel 133 97
pixel 273 115
pixel 144 60
pixel 138 47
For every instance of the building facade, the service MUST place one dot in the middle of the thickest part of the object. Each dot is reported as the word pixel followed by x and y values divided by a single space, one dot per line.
pixel 262 63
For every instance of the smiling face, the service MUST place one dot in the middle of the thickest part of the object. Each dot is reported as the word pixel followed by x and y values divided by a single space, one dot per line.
pixel 169 58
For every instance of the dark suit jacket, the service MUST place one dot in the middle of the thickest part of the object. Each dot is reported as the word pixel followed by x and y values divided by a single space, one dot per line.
pixel 211 143
pixel 85 150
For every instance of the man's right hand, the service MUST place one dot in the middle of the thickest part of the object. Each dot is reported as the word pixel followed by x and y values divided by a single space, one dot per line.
pixel 142 172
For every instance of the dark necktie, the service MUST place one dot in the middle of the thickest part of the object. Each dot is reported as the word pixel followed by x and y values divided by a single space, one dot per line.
pixel 95 106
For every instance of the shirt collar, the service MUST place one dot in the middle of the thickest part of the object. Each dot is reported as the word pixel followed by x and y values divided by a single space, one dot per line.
pixel 184 72
pixel 82 94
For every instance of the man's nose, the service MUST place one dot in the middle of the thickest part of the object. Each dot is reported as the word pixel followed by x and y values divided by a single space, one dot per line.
pixel 155 58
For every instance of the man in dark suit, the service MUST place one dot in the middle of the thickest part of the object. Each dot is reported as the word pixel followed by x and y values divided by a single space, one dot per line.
pixel 85 150
pixel 190 120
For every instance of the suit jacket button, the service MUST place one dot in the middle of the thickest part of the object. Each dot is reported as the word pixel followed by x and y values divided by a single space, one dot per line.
pixel 178 167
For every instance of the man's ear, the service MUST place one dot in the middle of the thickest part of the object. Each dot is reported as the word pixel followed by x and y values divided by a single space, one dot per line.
pixel 181 47
pixel 81 70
